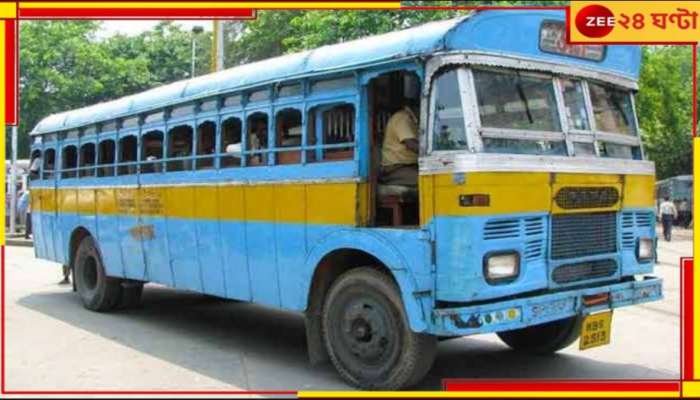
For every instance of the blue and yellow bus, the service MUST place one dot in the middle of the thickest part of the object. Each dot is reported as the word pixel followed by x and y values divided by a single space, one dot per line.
pixel 533 214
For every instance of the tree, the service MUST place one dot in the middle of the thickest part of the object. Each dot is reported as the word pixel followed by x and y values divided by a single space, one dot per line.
pixel 664 106
pixel 63 65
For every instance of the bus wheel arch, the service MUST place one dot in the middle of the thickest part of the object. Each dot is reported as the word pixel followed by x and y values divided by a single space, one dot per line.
pixel 123 293
pixel 76 237
pixel 327 262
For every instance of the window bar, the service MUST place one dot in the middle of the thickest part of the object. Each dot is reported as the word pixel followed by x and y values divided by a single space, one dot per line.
pixel 561 111
pixel 470 109
pixel 590 116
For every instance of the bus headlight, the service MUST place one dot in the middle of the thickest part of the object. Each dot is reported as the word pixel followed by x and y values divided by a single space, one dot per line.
pixel 501 267
pixel 645 249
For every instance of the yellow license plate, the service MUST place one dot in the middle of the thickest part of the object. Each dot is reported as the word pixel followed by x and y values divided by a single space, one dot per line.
pixel 595 330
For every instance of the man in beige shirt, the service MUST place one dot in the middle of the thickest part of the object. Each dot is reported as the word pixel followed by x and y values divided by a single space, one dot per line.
pixel 400 149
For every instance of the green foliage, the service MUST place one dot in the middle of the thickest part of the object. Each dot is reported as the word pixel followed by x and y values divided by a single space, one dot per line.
pixel 64 66
pixel 665 108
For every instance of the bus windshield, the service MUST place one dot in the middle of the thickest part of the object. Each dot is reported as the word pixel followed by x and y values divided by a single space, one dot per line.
pixel 516 101
pixel 521 112
pixel 612 109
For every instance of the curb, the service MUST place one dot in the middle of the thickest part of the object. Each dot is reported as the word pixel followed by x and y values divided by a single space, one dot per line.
pixel 19 242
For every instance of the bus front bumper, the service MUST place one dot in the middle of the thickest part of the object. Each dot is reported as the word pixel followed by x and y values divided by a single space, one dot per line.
pixel 527 311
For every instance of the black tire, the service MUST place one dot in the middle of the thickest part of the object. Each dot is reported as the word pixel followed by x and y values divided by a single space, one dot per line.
pixel 546 338
pixel 130 294
pixel 367 336
pixel 98 291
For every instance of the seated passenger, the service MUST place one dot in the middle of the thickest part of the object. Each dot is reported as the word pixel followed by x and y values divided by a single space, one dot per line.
pixel 400 150
pixel 35 168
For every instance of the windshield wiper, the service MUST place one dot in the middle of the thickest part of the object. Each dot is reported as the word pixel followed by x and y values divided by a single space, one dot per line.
pixel 523 98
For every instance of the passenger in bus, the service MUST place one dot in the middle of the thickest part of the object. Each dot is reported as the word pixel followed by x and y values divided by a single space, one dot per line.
pixel 183 150
pixel 34 168
pixel 400 149
pixel 258 139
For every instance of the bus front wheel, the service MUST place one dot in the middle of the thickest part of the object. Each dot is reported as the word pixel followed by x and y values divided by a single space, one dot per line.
pixel 544 338
pixel 98 291
pixel 367 336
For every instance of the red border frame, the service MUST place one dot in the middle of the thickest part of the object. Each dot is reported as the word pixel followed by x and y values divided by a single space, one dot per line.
pixel 686 270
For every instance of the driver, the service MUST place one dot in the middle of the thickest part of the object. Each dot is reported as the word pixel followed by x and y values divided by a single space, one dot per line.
pixel 400 149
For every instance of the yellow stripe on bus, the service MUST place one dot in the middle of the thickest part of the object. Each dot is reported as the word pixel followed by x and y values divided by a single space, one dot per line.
pixel 326 203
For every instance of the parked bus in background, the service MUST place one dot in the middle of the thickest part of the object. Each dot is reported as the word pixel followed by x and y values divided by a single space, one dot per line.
pixel 532 217
pixel 678 189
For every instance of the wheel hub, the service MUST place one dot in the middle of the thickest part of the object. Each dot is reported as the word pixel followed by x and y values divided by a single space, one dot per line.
pixel 365 331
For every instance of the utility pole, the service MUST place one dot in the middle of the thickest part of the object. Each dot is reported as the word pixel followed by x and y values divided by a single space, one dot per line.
pixel 217 54
pixel 195 31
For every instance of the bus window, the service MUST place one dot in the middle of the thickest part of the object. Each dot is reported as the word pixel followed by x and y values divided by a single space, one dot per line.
pixel 109 126
pixel 294 89
pixel 130 122
pixel 154 117
pixel 257 138
pixel 127 154
pixel 90 130
pixel 612 109
pixel 259 95
pixel 516 101
pixel 105 158
pixel 151 151
pixel 206 145
pixel 180 146
pixel 336 125
pixel 333 84
pixel 231 143
pixel 87 160
pixel 35 165
pixel 448 123
pixel 69 157
pixel 182 111
pixel 232 101
pixel 575 105
pixel 582 149
pixel 49 163
pixel 288 134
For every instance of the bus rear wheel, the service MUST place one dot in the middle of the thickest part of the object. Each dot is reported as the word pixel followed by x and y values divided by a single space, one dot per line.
pixel 98 291
pixel 367 336
pixel 545 338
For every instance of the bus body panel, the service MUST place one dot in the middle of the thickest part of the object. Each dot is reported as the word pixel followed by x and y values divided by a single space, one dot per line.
pixel 156 248
pixel 108 231
pixel 209 247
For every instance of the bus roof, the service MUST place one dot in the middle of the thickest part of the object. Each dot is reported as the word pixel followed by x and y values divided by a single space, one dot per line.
pixel 496 31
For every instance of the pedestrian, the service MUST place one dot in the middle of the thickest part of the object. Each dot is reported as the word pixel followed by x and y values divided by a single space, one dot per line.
pixel 66 276
pixel 25 211
pixel 668 213
pixel 684 213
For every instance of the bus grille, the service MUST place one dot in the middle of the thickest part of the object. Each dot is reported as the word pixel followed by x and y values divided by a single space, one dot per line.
pixel 570 198
pixel 532 230
pixel 582 235
pixel 584 271
pixel 631 222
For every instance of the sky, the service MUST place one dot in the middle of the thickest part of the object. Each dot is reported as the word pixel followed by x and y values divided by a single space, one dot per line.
pixel 134 27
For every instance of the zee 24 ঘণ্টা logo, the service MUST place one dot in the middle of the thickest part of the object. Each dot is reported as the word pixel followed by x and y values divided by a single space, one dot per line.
pixel 597 21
